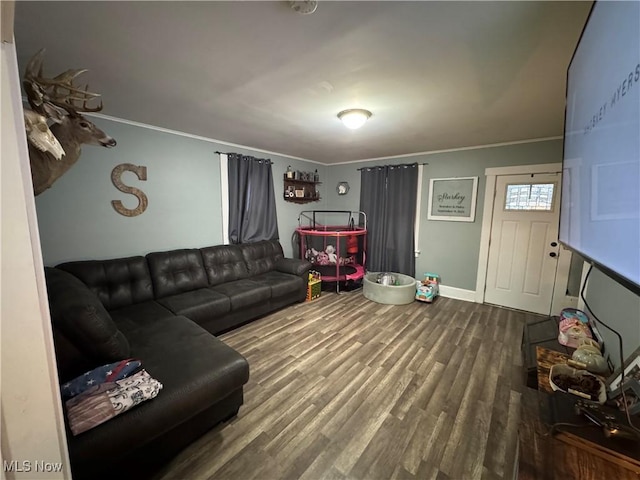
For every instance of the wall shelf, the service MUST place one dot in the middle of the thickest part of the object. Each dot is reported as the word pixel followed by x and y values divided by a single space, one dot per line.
pixel 300 191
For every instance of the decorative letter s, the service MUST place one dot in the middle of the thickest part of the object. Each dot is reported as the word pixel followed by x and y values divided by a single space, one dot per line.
pixel 141 173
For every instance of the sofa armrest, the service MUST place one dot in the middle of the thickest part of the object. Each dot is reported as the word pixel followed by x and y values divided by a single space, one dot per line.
pixel 293 266
pixel 85 334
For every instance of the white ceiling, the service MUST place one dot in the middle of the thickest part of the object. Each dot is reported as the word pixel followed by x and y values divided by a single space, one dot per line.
pixel 436 75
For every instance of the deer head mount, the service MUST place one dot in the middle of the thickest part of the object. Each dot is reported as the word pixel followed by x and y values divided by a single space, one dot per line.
pixel 61 102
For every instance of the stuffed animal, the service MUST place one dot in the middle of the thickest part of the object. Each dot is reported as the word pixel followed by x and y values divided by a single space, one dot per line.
pixel 347 260
pixel 322 258
pixel 311 255
pixel 331 253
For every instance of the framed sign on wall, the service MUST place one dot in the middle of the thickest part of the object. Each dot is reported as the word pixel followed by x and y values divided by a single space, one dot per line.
pixel 453 199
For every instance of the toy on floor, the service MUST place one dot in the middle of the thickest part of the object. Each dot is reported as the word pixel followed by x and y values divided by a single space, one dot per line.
pixel 429 289
pixel 314 287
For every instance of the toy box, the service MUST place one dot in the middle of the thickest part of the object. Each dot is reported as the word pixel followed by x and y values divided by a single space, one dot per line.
pixel 314 286
pixel 429 289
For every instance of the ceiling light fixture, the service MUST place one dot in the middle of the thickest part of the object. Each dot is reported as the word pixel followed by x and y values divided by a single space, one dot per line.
pixel 354 118
pixel 304 7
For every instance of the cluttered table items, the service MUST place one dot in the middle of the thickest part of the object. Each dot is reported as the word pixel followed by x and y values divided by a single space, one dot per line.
pixel 558 442
pixel 571 423
pixel 582 373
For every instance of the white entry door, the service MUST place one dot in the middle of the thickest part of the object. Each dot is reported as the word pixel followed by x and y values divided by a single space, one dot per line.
pixel 523 249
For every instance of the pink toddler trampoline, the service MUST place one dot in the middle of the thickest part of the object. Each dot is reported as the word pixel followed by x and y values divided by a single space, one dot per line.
pixel 335 242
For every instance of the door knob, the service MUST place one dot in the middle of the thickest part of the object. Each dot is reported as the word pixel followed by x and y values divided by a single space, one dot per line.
pixel 553 254
pixel 554 244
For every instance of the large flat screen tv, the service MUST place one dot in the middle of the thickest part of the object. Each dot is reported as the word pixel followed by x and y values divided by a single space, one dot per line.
pixel 600 207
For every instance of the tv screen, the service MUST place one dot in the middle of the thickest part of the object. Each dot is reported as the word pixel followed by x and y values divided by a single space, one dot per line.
pixel 600 207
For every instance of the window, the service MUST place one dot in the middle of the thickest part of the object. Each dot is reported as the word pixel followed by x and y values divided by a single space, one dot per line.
pixel 530 196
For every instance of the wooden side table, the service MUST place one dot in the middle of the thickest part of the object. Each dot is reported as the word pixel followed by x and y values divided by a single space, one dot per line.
pixel 586 440
pixel 551 457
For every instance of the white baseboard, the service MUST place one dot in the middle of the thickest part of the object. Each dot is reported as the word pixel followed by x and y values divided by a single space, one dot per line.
pixel 458 293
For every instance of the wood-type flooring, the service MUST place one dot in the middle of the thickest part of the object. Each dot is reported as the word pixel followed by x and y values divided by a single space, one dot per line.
pixel 345 388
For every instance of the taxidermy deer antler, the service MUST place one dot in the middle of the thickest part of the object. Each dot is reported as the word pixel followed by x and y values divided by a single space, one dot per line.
pixel 60 101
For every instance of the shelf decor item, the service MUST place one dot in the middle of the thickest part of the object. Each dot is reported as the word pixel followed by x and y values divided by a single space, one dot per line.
pixel 290 174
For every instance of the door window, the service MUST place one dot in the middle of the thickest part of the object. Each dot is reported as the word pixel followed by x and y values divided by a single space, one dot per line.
pixel 530 196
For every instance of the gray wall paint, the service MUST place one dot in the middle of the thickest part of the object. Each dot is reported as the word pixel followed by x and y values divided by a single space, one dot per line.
pixel 619 308
pixel 77 222
pixel 450 249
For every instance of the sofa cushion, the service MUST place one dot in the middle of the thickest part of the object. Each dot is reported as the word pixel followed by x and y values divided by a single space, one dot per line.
pixel 293 266
pixel 224 263
pixel 82 320
pixel 196 370
pixel 261 256
pixel 281 284
pixel 132 315
pixel 198 305
pixel 176 271
pixel 243 293
pixel 118 282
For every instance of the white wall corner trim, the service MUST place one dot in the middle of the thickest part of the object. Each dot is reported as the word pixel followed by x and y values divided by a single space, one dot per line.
pixel 416 232
pixel 485 237
pixel 224 196
pixel 457 293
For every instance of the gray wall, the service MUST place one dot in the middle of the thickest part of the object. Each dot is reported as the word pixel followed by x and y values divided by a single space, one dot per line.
pixel 617 307
pixel 76 219
pixel 450 249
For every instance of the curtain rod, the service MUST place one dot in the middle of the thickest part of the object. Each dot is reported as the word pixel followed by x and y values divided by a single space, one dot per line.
pixel 227 153
pixel 398 165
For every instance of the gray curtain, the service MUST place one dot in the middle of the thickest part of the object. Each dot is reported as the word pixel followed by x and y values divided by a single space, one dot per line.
pixel 252 201
pixel 388 197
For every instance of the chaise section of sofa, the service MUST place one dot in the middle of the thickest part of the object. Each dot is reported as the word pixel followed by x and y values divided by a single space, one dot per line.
pixel 202 377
